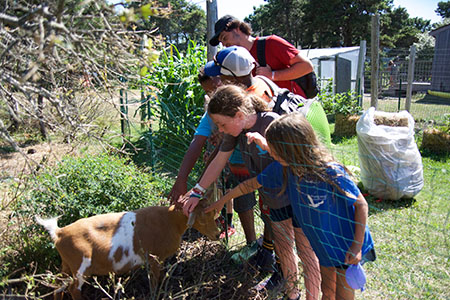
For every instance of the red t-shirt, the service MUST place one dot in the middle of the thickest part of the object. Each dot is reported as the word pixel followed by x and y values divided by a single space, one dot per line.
pixel 278 54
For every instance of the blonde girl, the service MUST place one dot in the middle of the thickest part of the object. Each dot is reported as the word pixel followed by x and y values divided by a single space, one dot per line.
pixel 326 203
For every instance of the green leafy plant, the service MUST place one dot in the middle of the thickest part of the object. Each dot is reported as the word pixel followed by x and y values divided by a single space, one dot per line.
pixel 74 189
pixel 326 97
pixel 445 127
pixel 90 185
pixel 341 103
pixel 347 103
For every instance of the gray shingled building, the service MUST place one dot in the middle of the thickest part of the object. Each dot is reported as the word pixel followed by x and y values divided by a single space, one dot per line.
pixel 440 72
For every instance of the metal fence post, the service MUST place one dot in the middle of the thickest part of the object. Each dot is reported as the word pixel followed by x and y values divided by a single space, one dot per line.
pixel 124 125
pixel 142 109
pixel 399 94
pixel 149 134
pixel 412 60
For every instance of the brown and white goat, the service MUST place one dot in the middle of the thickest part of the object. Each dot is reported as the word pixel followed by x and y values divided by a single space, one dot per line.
pixel 120 242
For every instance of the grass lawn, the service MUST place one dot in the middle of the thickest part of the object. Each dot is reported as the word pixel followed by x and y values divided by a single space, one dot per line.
pixel 412 237
pixel 423 107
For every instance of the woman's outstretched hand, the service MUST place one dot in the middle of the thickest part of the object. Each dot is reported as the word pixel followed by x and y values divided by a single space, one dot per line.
pixel 217 206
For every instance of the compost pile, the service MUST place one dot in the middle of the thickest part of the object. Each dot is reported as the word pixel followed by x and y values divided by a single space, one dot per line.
pixel 390 119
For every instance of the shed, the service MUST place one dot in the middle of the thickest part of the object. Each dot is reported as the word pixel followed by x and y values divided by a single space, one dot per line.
pixel 440 70
pixel 337 64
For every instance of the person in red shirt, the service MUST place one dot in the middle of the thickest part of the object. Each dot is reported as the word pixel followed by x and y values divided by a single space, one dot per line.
pixel 283 61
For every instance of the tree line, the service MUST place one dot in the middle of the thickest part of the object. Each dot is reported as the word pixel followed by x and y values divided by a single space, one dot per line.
pixel 309 23
pixel 50 53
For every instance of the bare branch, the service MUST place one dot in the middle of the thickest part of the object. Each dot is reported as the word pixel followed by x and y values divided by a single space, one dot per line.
pixel 62 65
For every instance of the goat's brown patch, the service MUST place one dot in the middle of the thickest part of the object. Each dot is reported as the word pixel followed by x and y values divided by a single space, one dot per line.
pixel 118 254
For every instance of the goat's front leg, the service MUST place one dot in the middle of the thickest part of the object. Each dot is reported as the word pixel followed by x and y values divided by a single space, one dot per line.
pixel 78 278
pixel 155 270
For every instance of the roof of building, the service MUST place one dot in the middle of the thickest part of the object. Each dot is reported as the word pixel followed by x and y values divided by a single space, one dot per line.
pixel 327 52
pixel 439 30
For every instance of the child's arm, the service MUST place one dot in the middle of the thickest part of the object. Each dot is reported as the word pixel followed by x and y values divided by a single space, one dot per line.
pixel 257 138
pixel 243 188
pixel 354 254
pixel 211 173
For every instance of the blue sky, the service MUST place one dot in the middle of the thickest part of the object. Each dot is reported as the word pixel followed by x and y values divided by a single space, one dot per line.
pixel 242 8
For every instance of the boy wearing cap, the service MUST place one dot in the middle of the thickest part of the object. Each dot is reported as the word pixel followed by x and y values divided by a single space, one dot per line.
pixel 283 61
pixel 234 65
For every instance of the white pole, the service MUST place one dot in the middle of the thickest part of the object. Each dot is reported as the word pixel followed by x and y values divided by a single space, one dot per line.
pixel 375 58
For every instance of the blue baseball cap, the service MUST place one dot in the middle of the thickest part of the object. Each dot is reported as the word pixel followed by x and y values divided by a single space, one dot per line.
pixel 232 61
pixel 356 277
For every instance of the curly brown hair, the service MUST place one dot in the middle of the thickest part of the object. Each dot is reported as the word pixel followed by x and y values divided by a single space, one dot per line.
pixel 243 27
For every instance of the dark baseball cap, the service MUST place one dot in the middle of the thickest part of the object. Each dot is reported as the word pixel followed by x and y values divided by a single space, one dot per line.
pixel 220 26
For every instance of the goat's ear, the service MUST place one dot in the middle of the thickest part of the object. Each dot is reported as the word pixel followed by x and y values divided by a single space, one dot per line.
pixel 191 219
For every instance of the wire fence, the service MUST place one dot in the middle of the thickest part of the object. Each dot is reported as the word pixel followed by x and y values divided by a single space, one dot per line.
pixel 411 235
pixel 430 80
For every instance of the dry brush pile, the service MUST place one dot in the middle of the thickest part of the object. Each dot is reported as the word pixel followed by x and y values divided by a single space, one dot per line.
pixel 201 269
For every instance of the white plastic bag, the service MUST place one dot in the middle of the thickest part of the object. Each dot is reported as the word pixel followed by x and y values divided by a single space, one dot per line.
pixel 391 165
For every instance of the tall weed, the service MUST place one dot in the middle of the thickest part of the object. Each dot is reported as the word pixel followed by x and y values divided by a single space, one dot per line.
pixel 176 106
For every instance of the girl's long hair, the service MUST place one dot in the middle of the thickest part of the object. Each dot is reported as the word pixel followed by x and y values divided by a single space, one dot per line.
pixel 293 139
pixel 229 99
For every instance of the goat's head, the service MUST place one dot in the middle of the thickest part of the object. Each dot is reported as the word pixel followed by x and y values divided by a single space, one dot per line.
pixel 204 222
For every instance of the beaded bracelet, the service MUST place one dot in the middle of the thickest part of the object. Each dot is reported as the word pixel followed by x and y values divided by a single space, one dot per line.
pixel 195 195
pixel 199 188
pixel 194 190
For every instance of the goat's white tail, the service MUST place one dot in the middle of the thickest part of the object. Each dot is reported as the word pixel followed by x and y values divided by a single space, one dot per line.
pixel 50 224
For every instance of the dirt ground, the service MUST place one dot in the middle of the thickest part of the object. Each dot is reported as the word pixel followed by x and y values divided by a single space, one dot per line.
pixel 14 164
